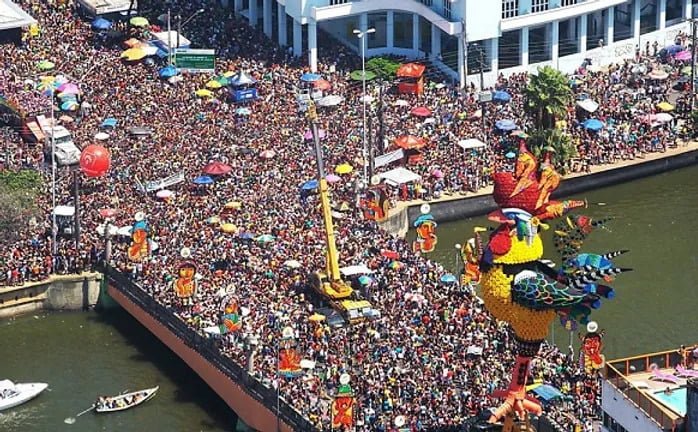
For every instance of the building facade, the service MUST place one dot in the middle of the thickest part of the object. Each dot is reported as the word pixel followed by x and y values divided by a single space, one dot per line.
pixel 463 36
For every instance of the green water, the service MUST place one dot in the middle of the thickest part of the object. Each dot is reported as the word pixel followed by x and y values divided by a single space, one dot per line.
pixel 657 304
pixel 85 354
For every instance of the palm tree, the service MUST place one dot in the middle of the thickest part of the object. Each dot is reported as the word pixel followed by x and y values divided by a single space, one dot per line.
pixel 548 95
pixel 557 142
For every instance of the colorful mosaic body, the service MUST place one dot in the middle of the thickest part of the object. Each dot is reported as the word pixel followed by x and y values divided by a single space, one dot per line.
pixel 520 288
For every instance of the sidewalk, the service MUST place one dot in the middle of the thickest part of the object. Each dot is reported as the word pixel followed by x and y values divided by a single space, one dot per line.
pixel 683 147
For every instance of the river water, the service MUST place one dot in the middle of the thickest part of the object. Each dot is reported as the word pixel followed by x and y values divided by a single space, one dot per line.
pixel 83 355
pixel 656 304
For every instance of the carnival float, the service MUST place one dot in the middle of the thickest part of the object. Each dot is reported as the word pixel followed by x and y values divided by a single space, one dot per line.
pixel 521 288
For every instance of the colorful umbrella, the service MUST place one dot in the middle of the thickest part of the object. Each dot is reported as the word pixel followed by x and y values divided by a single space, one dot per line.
pixel 234 205
pixel 267 154
pixel 164 194
pixel 243 111
pixel 217 168
pixel 316 317
pixel 265 238
pixel 109 122
pixel 310 77
pixel 332 178
pixel 101 24
pixel 228 228
pixel 70 105
pixel 204 93
pixel 410 142
pixel 358 75
pixel 365 280
pixel 448 278
pixel 213 220
pixel 593 124
pixel 45 65
pixel 102 136
pixel 421 111
pixel 322 84
pixel 203 180
pixel 228 74
pixel 501 96
pixel 310 185
pixel 292 263
pixel 395 265
pixel 665 107
pixel 133 54
pixel 213 84
pixel 167 72
pixel 344 168
pixel 139 21
pixel 505 125
pixel 108 212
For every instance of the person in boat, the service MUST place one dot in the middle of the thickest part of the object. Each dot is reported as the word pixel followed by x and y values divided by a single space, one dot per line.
pixel 100 402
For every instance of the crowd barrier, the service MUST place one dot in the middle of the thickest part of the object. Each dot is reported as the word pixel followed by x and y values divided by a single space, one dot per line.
pixel 207 348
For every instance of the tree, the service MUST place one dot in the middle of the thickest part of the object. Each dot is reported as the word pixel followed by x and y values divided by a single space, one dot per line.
pixel 386 68
pixel 558 142
pixel 548 95
pixel 18 193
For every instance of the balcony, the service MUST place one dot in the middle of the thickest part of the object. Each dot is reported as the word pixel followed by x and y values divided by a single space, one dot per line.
pixel 527 19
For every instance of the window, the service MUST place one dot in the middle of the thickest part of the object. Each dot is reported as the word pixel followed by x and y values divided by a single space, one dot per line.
pixel 338 2
pixel 447 8
pixel 539 6
pixel 429 3
pixel 510 9
pixel 564 3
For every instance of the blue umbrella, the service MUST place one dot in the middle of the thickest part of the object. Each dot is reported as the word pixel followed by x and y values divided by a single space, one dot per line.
pixel 243 111
pixel 246 236
pixel 448 278
pixel 673 49
pixel 501 96
pixel 309 185
pixel 101 24
pixel 167 72
pixel 510 155
pixel 109 122
pixel 203 180
pixel 505 125
pixel 593 124
pixel 310 77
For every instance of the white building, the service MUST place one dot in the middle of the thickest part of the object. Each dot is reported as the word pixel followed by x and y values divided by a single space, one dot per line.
pixel 508 35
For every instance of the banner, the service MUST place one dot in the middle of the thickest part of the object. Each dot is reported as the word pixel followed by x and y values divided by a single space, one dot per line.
pixel 388 158
pixel 161 183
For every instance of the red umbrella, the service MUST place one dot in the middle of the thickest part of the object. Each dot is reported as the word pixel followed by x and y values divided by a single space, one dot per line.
pixel 421 111
pixel 410 142
pixel 217 168
pixel 322 84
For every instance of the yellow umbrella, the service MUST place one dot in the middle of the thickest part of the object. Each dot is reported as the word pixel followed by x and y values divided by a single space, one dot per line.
pixel 228 228
pixel 316 317
pixel 47 78
pixel 228 74
pixel 213 84
pixel 139 21
pixel 132 54
pixel 665 106
pixel 204 93
pixel 233 205
pixel 344 168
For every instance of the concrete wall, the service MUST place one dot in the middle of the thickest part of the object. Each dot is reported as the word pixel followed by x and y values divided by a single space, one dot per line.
pixel 452 210
pixel 629 415
pixel 69 292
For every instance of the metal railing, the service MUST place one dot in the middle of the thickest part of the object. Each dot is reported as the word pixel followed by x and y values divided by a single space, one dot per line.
pixel 206 347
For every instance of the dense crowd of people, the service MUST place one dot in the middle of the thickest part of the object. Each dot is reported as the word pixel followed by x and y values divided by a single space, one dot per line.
pixel 413 360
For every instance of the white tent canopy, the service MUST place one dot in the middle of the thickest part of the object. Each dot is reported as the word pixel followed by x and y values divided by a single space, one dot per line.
pixel 399 176
pixel 162 38
pixel 355 269
pixel 588 105
pixel 63 210
pixel 331 100
pixel 12 16
pixel 471 143
pixel 241 79
pixel 99 7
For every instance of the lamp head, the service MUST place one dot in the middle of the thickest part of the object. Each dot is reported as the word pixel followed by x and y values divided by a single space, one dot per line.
pixel 357 32
pixel 371 30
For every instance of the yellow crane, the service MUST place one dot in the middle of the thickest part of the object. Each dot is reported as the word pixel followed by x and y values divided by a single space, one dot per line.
pixel 329 283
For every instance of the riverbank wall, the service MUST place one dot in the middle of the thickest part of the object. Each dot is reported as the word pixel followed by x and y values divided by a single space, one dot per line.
pixel 253 402
pixel 452 208
pixel 59 292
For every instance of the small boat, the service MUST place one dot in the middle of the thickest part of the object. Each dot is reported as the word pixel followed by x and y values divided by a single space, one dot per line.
pixel 124 401
pixel 12 394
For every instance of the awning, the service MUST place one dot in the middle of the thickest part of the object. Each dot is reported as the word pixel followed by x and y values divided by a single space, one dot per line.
pixel 547 392
pixel 165 40
pixel 471 143
pixel 12 16
pixel 588 105
pixel 388 158
pixel 355 269
pixel 399 176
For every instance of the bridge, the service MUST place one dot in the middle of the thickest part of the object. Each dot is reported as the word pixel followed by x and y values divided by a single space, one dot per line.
pixel 259 406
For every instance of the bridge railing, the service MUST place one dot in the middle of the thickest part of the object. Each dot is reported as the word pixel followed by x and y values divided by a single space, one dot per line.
pixel 207 348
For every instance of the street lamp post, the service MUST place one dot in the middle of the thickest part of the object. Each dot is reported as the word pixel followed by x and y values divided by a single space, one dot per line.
pixel 54 227
pixel 181 24
pixel 362 40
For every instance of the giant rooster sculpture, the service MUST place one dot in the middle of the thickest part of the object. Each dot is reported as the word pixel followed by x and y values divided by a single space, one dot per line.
pixel 523 291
